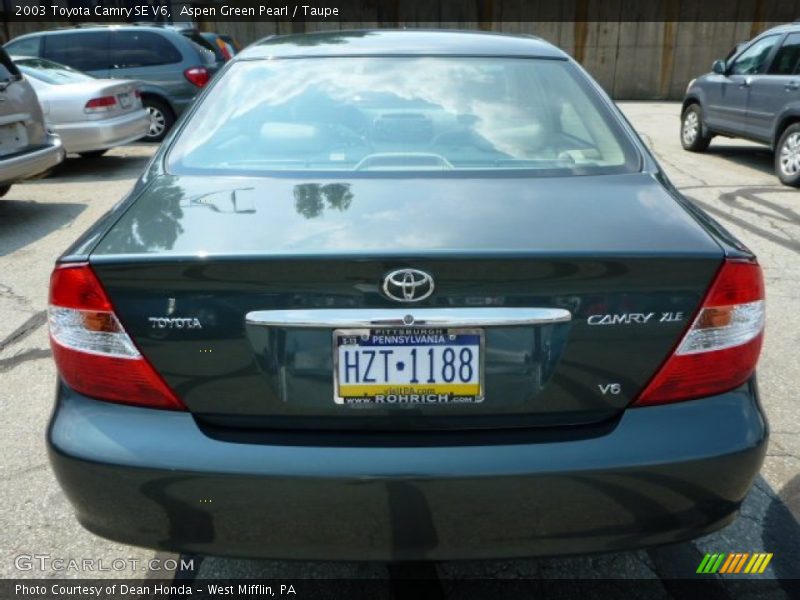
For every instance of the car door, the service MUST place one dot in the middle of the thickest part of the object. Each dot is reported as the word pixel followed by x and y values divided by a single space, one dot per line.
pixel 149 57
pixel 771 93
pixel 83 50
pixel 726 109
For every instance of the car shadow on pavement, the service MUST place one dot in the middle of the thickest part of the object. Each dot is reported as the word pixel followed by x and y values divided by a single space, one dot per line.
pixel 754 157
pixel 781 531
pixel 23 222
pixel 125 162
pixel 98 169
pixel 766 524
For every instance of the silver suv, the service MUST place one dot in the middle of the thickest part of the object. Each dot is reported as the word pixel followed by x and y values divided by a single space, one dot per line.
pixel 753 94
pixel 27 149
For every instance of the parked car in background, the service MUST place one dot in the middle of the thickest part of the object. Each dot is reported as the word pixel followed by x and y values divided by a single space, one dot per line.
pixel 226 49
pixel 209 41
pixel 27 148
pixel 233 42
pixel 90 115
pixel 190 32
pixel 171 67
pixel 754 94
pixel 405 281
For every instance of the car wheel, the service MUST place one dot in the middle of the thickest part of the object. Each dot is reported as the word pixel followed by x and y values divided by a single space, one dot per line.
pixel 693 137
pixel 161 119
pixel 93 154
pixel 4 190
pixel 787 156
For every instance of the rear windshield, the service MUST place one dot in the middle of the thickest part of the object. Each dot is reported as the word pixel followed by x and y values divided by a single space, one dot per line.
pixel 206 56
pixel 8 70
pixel 51 72
pixel 206 44
pixel 439 114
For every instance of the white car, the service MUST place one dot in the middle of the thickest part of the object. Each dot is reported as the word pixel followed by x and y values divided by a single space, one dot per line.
pixel 90 115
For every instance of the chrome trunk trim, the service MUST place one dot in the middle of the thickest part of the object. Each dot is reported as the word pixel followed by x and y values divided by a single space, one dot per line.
pixel 335 318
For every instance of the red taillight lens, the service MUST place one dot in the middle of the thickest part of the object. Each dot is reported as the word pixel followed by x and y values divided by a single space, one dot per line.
pixel 75 286
pixel 93 352
pixel 137 92
pixel 198 76
pixel 720 349
pixel 100 104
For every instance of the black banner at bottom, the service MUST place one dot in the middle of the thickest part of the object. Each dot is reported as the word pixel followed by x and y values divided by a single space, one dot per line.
pixel 395 589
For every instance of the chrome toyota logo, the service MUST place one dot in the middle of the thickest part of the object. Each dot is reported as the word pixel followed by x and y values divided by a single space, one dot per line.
pixel 408 285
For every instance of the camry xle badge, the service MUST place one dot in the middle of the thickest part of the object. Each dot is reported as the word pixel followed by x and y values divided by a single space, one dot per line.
pixel 635 318
pixel 620 319
pixel 408 285
pixel 175 323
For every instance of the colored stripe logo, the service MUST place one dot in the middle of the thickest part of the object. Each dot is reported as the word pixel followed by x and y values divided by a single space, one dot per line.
pixel 735 562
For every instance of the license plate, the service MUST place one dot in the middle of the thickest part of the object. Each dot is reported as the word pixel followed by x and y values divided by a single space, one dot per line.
pixel 12 138
pixel 125 100
pixel 408 366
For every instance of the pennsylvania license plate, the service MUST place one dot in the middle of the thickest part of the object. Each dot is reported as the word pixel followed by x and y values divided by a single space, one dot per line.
pixel 408 366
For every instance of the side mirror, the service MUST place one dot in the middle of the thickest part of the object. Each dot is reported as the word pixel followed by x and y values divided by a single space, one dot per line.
pixel 718 67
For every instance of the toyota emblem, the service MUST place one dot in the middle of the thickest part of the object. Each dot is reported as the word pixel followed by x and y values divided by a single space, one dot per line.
pixel 408 285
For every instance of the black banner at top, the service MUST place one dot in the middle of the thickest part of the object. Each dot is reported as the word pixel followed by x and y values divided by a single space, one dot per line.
pixel 399 12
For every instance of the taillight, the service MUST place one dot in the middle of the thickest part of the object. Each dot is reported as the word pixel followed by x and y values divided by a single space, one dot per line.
pixel 137 92
pixel 93 353
pixel 198 76
pixel 100 104
pixel 720 349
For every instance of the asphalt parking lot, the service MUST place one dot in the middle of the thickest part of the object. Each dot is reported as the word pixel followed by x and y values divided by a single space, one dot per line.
pixel 734 182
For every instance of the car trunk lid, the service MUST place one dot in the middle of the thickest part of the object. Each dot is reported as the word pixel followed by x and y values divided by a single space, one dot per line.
pixel 188 262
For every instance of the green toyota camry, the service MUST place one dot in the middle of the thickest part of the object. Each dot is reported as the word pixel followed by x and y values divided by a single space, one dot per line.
pixel 405 295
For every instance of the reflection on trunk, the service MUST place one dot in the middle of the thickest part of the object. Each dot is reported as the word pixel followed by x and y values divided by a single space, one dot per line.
pixel 310 198
pixel 155 229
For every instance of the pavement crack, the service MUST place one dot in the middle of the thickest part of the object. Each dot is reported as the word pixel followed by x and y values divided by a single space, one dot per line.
pixel 763 487
pixel 778 228
pixel 6 364
pixel 24 330
pixel 23 472
pixel 673 562
pixel 752 518
pixel 746 223
pixel 6 291
pixel 666 161
pixel 717 186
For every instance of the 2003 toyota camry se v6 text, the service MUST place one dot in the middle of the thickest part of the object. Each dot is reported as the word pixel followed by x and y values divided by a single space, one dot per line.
pixel 405 295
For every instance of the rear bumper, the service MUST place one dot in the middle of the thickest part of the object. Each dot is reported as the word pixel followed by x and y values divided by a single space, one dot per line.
pixel 659 475
pixel 88 136
pixel 29 164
